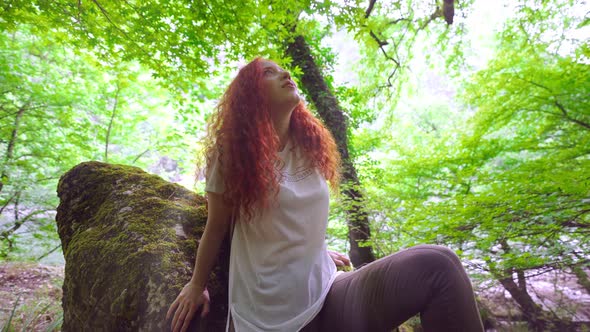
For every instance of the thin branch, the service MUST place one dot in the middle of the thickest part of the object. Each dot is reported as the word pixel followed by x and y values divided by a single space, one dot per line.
pixel 564 112
pixel 535 84
pixel 48 179
pixel 139 156
pixel 401 19
pixel 8 114
pixel 7 202
pixel 106 15
pixel 218 21
pixel 49 252
pixel 18 224
pixel 370 9
pixel 11 143
pixel 437 13
pixel 106 147
pixel 379 41
pixel 16 201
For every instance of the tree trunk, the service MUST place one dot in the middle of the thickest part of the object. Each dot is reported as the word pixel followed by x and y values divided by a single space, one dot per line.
pixel 582 277
pixel 532 312
pixel 537 318
pixel 334 119
pixel 10 148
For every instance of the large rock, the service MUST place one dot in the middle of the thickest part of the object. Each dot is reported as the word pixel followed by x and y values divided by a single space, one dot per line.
pixel 129 240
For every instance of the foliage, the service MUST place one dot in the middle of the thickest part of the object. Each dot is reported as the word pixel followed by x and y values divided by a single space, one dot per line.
pixel 509 188
pixel 59 107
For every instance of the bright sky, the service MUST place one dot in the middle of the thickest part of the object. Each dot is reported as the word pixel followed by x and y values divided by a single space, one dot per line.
pixel 485 19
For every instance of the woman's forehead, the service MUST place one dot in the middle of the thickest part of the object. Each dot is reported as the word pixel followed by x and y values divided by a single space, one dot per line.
pixel 270 64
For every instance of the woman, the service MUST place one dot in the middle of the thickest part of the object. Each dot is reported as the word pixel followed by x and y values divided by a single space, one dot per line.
pixel 268 161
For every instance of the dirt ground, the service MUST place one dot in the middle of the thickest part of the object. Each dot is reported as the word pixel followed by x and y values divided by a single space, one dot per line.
pixel 33 291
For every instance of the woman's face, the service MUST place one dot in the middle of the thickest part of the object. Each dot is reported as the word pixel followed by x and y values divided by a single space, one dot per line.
pixel 280 90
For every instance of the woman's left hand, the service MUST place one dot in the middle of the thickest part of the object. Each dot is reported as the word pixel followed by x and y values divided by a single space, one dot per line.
pixel 339 259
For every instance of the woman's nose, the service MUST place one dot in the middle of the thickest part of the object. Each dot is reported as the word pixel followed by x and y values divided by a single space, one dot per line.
pixel 286 75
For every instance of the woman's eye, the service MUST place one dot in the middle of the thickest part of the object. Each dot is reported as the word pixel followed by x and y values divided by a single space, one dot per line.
pixel 268 71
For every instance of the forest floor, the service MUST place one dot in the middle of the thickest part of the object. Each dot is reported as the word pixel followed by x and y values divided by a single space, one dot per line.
pixel 31 296
pixel 34 292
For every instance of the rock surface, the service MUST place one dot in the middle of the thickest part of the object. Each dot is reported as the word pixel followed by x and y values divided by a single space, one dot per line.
pixel 129 240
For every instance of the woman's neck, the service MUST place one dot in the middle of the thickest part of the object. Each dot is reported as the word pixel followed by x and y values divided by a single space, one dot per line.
pixel 281 126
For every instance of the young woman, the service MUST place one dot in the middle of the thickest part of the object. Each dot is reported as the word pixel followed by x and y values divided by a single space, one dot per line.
pixel 268 163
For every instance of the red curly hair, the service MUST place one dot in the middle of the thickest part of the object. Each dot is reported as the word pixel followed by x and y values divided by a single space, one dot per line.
pixel 241 136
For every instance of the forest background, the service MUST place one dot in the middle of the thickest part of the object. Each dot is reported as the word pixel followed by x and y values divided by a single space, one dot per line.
pixel 465 124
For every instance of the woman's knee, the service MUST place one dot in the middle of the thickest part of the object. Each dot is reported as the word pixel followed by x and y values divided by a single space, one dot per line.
pixel 423 257
pixel 437 252
pixel 437 248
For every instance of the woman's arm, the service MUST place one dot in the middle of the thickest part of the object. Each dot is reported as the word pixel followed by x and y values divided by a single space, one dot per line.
pixel 218 221
pixel 194 294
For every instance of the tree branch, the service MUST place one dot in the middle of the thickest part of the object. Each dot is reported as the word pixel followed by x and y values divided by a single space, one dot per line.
pixel 139 156
pixel 6 203
pixel 106 147
pixel 565 115
pixel 370 9
pixel 437 13
pixel 106 15
pixel 49 252
pixel 20 222
pixel 10 149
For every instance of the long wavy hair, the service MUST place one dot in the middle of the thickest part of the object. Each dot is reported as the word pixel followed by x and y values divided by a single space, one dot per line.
pixel 240 134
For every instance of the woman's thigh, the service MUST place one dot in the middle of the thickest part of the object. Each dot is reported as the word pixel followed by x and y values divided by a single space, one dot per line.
pixel 382 295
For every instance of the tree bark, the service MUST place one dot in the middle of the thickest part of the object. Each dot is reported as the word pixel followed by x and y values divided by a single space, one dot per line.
pixel 532 312
pixel 10 148
pixel 537 318
pixel 327 106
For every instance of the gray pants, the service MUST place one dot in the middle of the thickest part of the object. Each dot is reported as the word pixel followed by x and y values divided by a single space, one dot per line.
pixel 380 296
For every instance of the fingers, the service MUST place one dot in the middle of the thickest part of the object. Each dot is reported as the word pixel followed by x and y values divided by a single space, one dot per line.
pixel 345 260
pixel 205 310
pixel 182 318
pixel 172 308
pixel 176 318
pixel 339 259
pixel 334 257
pixel 188 319
pixel 185 311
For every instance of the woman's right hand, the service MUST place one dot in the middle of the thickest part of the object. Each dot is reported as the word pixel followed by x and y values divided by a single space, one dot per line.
pixel 185 306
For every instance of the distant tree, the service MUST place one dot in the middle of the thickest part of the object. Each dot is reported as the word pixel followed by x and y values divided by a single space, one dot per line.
pixel 60 106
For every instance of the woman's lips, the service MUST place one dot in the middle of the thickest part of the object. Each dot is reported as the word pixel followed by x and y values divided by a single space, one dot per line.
pixel 289 84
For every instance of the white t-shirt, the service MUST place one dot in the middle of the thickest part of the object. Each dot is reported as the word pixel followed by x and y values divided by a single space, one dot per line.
pixel 280 271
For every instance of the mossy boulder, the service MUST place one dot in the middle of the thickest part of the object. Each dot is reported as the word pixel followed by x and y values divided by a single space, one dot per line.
pixel 129 240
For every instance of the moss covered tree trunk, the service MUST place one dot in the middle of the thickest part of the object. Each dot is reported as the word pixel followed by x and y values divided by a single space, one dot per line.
pixel 333 116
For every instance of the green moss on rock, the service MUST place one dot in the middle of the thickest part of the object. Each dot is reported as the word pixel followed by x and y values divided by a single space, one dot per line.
pixel 129 239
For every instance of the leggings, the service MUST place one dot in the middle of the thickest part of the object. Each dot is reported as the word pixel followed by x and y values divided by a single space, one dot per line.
pixel 425 279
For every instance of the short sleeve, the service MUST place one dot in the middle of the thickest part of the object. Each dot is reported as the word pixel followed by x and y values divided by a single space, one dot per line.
pixel 213 181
